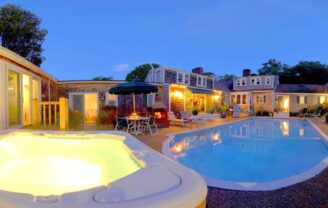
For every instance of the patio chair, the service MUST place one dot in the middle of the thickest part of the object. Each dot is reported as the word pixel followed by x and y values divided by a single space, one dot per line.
pixel 121 123
pixel 176 120
pixel 148 125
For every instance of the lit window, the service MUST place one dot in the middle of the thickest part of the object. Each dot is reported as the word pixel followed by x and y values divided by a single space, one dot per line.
pixel 244 99
pixel 180 77
pixel 111 100
pixel 322 99
pixel 187 79
pixel 268 80
pixel 301 100
pixel 238 99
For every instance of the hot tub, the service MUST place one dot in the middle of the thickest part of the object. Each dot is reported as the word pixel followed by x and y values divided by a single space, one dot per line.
pixel 94 169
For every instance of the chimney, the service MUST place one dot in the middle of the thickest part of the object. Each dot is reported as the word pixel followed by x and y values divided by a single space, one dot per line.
pixel 198 70
pixel 246 72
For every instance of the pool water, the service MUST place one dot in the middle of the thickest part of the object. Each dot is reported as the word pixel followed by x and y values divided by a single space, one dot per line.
pixel 252 150
pixel 53 165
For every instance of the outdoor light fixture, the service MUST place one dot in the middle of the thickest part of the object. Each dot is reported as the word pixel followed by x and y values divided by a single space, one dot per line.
pixel 177 94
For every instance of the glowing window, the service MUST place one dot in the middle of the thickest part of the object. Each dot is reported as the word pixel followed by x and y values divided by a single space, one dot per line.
pixel 322 99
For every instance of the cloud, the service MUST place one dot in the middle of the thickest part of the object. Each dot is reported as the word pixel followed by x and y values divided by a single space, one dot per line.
pixel 121 67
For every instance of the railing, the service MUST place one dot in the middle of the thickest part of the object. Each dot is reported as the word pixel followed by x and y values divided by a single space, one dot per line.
pixel 49 113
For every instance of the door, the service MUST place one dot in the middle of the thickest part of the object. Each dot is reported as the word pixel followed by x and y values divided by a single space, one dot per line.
pixel 283 103
pixel 14 91
pixel 27 98
pixel 85 106
pixel 91 108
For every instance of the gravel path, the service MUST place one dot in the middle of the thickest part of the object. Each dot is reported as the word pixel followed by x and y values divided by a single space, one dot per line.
pixel 310 193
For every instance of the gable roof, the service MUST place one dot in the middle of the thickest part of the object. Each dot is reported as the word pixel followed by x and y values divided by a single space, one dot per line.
pixel 302 88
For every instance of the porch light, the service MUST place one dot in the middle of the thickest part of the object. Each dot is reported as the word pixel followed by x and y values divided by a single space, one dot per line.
pixel 216 97
pixel 177 94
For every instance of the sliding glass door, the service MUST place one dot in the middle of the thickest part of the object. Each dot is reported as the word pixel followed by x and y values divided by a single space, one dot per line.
pixel 14 98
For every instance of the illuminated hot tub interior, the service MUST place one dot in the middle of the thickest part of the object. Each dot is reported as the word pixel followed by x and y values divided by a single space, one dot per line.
pixel 44 164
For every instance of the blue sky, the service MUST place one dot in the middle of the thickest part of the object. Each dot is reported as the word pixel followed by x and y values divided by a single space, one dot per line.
pixel 109 38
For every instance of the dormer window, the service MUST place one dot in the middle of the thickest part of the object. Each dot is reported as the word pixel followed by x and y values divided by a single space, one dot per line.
pixel 258 81
pixel 238 82
pixel 243 82
pixel 253 81
pixel 187 79
pixel 268 80
pixel 199 81
pixel 180 77
pixel 204 81
pixel 157 76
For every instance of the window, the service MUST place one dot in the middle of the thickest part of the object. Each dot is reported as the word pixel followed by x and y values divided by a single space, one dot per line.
pixel 258 81
pixel 238 82
pixel 238 99
pixel 150 99
pixel 204 82
pixel 252 81
pixel 180 77
pixel 187 79
pixel 244 99
pixel 321 99
pixel 261 99
pixel 111 100
pixel 268 80
pixel 157 76
pixel 199 81
pixel 243 82
pixel 301 100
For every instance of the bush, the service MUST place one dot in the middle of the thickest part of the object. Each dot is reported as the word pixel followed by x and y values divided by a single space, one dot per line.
pixel 106 115
pixel 75 120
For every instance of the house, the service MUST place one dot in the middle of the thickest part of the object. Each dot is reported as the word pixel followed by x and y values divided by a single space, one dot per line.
pixel 185 91
pixel 291 98
pixel 253 91
pixel 21 82
pixel 265 93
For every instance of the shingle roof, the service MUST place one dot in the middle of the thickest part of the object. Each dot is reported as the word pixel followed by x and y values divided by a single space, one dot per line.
pixel 225 85
pixel 305 88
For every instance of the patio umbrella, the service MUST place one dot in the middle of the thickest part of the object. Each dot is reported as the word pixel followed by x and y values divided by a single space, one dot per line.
pixel 134 87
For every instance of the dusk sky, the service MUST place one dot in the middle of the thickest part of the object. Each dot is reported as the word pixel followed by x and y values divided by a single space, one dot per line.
pixel 109 38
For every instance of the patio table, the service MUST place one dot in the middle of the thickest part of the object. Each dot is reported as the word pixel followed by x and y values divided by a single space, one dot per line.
pixel 135 121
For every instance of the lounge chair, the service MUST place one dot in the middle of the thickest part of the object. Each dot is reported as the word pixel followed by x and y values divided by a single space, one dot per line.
pixel 316 113
pixel 175 120
pixel 304 112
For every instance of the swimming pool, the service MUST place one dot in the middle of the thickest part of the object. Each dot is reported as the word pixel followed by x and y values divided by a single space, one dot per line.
pixel 91 169
pixel 252 154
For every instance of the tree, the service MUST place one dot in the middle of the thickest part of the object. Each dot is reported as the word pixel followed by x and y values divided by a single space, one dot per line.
pixel 272 67
pixel 228 76
pixel 306 72
pixel 101 78
pixel 20 32
pixel 210 74
pixel 140 72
